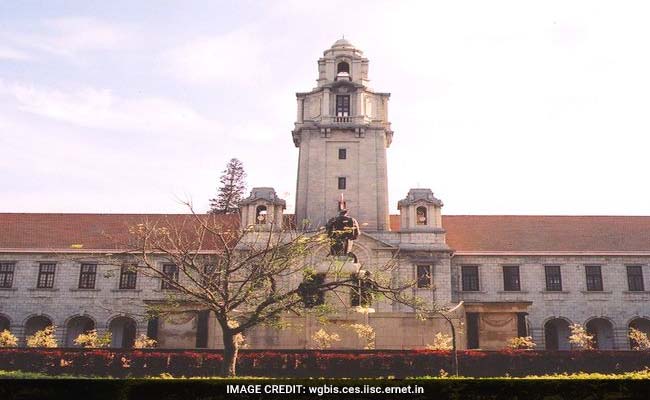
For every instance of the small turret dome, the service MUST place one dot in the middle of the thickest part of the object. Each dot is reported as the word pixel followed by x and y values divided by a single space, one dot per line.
pixel 342 43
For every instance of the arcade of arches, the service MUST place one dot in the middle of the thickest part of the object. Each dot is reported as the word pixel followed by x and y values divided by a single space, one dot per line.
pixel 123 329
pixel 557 332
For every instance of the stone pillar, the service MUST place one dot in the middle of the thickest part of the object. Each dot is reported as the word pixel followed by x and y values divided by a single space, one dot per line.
pixel 621 340
pixel 325 105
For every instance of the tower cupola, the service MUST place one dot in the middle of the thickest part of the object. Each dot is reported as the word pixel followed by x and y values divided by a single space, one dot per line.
pixel 342 62
pixel 420 211
pixel 262 210
pixel 342 131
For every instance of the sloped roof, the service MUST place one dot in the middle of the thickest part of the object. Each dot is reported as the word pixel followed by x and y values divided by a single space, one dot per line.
pixel 544 233
pixel 86 231
pixel 465 233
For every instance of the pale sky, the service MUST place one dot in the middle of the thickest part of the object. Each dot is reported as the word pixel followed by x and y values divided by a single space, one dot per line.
pixel 499 107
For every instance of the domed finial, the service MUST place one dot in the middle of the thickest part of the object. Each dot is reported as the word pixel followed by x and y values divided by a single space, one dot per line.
pixel 342 43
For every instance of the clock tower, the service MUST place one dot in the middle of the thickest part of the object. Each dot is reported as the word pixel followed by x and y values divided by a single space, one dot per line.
pixel 342 133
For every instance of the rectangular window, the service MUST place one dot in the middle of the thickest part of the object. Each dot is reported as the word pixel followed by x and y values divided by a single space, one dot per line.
pixel 171 273
pixel 343 154
pixel 425 276
pixel 46 275
pixel 511 278
pixel 87 276
pixel 342 183
pixel 522 325
pixel 202 327
pixel 6 275
pixel 209 278
pixel 635 278
pixel 553 278
pixel 152 328
pixel 342 105
pixel 472 330
pixel 311 290
pixel 128 277
pixel 594 278
pixel 361 293
pixel 469 278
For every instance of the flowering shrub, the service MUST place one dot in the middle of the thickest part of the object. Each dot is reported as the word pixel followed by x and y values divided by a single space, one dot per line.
pixel 144 342
pixel 441 341
pixel 521 343
pixel 323 340
pixel 580 338
pixel 639 339
pixel 366 333
pixel 44 338
pixel 7 339
pixel 314 363
pixel 92 339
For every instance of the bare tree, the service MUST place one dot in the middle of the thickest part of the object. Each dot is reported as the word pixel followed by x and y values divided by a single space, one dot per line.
pixel 249 278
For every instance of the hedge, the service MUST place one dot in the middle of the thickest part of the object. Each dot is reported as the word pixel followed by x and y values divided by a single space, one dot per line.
pixel 313 363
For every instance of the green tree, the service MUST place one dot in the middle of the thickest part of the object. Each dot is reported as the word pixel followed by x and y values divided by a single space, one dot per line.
pixel 231 191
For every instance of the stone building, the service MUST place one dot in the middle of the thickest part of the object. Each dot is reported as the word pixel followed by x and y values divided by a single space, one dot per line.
pixel 504 276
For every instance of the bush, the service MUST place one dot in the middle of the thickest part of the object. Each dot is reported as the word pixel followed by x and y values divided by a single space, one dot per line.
pixel 313 363
pixel 93 340
pixel 639 339
pixel 441 341
pixel 144 342
pixel 521 343
pixel 323 340
pixel 7 339
pixel 44 338
pixel 366 333
pixel 580 338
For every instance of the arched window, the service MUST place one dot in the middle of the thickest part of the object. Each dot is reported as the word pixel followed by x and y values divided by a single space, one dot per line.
pixel 123 331
pixel 421 216
pixel 603 333
pixel 35 324
pixel 75 327
pixel 4 323
pixel 343 67
pixel 556 334
pixel 260 215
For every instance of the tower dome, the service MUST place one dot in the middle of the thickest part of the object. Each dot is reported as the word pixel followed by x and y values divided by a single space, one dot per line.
pixel 342 43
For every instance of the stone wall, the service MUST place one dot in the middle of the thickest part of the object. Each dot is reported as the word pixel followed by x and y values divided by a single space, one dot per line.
pixel 65 300
pixel 574 303
pixel 396 325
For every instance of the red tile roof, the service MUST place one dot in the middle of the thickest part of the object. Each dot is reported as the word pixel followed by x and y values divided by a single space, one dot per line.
pixel 84 231
pixel 465 233
pixel 543 233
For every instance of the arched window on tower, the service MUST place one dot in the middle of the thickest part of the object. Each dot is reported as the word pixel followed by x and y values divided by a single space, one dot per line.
pixel 343 71
pixel 421 215
pixel 343 67
pixel 260 215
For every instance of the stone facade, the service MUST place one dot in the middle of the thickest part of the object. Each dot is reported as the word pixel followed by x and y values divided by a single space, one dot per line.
pixel 504 276
pixel 574 302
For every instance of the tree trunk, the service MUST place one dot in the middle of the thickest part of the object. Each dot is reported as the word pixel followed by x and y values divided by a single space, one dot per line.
pixel 230 350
